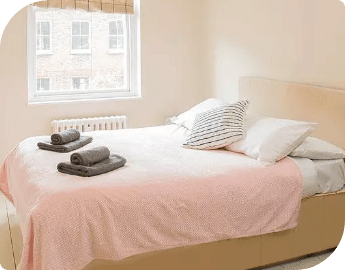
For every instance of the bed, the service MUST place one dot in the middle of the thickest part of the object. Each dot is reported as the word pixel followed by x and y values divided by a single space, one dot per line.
pixel 321 217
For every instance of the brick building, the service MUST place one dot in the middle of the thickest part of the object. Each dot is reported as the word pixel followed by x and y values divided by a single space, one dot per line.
pixel 80 50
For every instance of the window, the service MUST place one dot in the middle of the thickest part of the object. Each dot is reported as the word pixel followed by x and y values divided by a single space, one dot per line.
pixel 43 84
pixel 116 36
pixel 119 80
pixel 80 83
pixel 43 37
pixel 81 37
pixel 96 55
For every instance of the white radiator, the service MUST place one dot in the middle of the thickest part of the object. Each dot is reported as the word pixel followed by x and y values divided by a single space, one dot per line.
pixel 90 124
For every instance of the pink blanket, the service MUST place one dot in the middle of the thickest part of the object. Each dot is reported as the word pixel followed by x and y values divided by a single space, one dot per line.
pixel 165 197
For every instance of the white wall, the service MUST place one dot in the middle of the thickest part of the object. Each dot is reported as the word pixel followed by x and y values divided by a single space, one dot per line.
pixel 291 40
pixel 192 50
pixel 171 56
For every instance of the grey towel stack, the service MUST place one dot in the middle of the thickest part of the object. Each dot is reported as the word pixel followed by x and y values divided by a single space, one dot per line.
pixel 92 162
pixel 65 141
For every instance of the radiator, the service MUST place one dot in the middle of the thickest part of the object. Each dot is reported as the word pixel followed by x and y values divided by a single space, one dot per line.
pixel 90 124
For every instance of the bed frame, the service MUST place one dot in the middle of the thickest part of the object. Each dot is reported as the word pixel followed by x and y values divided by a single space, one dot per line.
pixel 322 217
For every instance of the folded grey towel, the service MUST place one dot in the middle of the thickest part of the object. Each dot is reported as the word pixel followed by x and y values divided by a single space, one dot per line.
pixel 90 157
pixel 112 163
pixel 65 136
pixel 65 148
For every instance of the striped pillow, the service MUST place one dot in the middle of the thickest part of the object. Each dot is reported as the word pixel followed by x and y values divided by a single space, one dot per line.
pixel 218 127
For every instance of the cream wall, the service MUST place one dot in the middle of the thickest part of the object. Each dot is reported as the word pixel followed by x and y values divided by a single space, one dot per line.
pixel 191 50
pixel 171 56
pixel 291 40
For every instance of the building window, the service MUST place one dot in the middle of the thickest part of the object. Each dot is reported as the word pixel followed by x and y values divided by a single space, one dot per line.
pixel 117 36
pixel 81 37
pixel 119 80
pixel 80 83
pixel 43 37
pixel 82 66
pixel 43 84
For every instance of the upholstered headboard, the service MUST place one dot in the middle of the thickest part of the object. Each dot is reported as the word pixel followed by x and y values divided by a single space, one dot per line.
pixel 300 102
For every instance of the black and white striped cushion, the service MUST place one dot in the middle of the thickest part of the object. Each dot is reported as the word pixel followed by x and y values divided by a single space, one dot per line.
pixel 218 127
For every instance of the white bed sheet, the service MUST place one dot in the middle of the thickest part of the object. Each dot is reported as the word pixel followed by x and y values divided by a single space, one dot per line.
pixel 331 174
pixel 321 176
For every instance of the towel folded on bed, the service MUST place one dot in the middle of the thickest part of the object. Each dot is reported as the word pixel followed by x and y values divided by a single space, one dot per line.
pixel 112 163
pixel 65 136
pixel 90 157
pixel 65 148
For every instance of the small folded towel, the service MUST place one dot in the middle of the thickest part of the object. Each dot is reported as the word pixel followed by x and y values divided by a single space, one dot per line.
pixel 112 163
pixel 68 147
pixel 65 136
pixel 90 157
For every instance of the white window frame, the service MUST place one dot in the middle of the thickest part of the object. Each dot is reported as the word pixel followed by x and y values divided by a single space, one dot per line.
pixel 81 51
pixel 125 45
pixel 133 72
pixel 50 83
pixel 43 52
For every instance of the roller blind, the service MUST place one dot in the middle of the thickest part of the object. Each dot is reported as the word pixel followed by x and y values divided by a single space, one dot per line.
pixel 107 6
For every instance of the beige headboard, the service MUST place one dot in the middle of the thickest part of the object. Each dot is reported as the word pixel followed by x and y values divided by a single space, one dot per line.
pixel 300 102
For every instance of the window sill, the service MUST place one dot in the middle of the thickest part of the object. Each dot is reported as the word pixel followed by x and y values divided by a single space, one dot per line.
pixel 44 53
pixel 76 101
pixel 81 52
pixel 116 52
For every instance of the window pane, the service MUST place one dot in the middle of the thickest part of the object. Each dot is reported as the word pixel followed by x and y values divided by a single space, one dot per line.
pixel 76 83
pixel 45 84
pixel 84 43
pixel 38 28
pixel 120 27
pixel 120 44
pixel 113 42
pixel 38 44
pixel 45 28
pixel 84 83
pixel 46 43
pixel 119 80
pixel 76 43
pixel 112 28
pixel 85 28
pixel 76 28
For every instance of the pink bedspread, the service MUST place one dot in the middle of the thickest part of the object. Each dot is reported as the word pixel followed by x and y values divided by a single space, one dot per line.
pixel 165 197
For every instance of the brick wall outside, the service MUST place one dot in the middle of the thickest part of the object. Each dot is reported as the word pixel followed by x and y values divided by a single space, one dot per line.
pixel 102 67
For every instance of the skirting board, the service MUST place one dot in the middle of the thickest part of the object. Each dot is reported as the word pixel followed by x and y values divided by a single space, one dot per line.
pixel 320 227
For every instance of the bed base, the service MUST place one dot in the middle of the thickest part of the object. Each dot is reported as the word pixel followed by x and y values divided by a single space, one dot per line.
pixel 320 228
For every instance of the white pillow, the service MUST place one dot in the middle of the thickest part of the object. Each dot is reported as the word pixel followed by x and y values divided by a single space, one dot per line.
pixel 270 139
pixel 187 118
pixel 218 127
pixel 314 148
